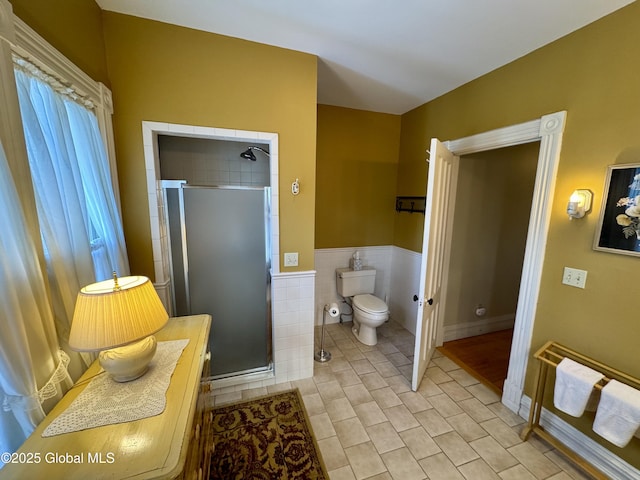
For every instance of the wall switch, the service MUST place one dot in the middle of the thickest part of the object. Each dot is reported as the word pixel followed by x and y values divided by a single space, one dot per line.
pixel 574 277
pixel 291 259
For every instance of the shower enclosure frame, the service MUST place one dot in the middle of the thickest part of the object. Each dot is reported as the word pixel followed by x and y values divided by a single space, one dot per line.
pixel 180 186
pixel 158 228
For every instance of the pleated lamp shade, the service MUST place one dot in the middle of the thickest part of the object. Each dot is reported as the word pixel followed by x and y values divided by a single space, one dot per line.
pixel 116 312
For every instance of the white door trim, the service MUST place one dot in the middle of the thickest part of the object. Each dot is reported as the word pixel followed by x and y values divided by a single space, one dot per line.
pixel 548 130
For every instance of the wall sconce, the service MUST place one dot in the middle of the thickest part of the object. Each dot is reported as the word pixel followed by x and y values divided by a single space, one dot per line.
pixel 579 203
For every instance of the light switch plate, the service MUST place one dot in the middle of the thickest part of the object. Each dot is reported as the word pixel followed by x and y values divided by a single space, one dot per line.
pixel 291 259
pixel 574 277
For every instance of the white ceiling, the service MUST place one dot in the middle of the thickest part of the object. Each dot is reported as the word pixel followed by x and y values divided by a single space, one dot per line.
pixel 385 55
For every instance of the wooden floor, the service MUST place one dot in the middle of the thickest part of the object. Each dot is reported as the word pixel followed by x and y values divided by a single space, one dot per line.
pixel 486 357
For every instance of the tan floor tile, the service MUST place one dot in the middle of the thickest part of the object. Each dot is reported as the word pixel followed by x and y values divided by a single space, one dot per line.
pixel 370 413
pixel 414 401
pixel 454 446
pixel 386 397
pixel 348 377
pixel 402 465
pixel 428 388
pixel 476 410
pixel 444 405
pixel 401 418
pixel 437 375
pixel 445 363
pixel 483 393
pixel 463 377
pixel 478 470
pixel 306 386
pixel 362 366
pixel 343 473
pixel 455 391
pixel 340 409
pixel 386 369
pixel 433 422
pixel 495 455
pixel 467 427
pixel 510 418
pixel 503 434
pixel 330 390
pixel 351 432
pixel 332 453
pixel 365 461
pixel 313 404
pixel 322 426
pixel 533 460
pixel 384 437
pixel 357 394
pixel 375 356
pixel 516 473
pixel 419 442
pixel 399 383
pixel 373 381
pixel 439 467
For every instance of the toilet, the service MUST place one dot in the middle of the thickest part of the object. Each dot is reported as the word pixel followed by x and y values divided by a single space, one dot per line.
pixel 369 312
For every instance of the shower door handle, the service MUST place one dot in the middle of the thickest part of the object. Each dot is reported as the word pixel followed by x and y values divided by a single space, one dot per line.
pixel 415 298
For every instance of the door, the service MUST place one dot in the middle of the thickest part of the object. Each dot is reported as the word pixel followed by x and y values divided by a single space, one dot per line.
pixel 438 221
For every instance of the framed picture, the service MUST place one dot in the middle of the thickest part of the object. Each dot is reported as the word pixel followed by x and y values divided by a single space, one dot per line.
pixel 618 229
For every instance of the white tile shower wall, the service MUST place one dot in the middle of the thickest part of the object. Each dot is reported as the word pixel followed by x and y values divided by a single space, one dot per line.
pixel 328 259
pixel 292 300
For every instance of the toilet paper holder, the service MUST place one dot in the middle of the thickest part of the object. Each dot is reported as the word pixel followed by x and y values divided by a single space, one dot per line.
pixel 322 355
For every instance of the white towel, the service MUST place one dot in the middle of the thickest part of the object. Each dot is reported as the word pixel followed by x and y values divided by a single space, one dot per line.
pixel 574 386
pixel 618 414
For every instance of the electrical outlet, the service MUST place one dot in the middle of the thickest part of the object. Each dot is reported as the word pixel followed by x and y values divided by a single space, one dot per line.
pixel 574 277
pixel 291 259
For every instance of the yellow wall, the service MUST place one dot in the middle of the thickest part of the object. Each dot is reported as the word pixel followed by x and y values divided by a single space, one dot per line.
pixel 357 159
pixel 166 73
pixel 594 75
pixel 74 27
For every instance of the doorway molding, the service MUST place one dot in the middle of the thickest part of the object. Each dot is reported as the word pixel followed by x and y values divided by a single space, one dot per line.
pixel 547 130
pixel 157 219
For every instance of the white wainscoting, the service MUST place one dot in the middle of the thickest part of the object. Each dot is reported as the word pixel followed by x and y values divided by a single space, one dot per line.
pixel 292 303
pixel 405 283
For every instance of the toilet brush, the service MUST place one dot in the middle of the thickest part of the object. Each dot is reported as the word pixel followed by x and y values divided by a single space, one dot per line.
pixel 322 355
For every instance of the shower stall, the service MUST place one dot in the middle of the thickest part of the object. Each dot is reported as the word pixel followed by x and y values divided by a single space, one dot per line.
pixel 220 264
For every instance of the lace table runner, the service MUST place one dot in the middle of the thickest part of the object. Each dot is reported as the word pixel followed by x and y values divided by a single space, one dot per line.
pixel 105 401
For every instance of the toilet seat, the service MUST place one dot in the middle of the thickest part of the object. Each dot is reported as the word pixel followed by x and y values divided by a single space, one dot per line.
pixel 371 304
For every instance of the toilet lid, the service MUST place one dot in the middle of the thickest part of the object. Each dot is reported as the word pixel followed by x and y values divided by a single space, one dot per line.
pixel 369 303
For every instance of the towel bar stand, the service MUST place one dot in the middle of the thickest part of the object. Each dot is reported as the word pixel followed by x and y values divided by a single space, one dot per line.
pixel 550 355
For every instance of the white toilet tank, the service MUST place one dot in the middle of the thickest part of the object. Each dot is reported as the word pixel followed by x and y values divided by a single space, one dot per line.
pixel 355 282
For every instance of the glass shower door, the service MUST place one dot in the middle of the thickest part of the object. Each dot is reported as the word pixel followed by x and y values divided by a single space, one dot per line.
pixel 224 254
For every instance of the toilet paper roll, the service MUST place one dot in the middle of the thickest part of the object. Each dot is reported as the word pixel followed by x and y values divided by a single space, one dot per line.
pixel 333 310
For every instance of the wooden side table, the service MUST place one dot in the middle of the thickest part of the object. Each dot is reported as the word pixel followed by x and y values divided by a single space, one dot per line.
pixel 150 448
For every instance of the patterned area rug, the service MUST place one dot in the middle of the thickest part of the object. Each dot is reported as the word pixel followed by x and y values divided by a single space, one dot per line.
pixel 265 438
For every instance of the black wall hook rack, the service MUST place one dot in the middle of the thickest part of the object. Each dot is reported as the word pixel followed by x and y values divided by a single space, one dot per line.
pixel 411 204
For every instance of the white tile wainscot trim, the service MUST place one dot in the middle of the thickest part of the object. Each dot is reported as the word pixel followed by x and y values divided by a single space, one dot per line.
pixel 292 298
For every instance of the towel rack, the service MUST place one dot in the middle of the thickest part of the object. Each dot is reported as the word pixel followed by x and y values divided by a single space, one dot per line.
pixel 550 355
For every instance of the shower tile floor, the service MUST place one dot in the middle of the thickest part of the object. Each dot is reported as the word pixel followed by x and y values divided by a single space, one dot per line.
pixel 370 425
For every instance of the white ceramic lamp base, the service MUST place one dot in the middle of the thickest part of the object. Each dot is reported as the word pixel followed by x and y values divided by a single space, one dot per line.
pixel 129 362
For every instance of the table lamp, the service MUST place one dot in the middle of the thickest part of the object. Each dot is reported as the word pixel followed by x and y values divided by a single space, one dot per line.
pixel 118 317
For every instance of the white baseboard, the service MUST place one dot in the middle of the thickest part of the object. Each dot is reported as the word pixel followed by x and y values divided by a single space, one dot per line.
pixel 599 456
pixel 471 329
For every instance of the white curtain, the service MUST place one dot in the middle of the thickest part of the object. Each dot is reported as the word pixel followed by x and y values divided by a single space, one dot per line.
pixel 31 364
pixel 79 221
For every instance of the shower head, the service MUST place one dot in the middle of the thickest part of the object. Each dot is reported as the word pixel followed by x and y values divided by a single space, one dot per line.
pixel 249 155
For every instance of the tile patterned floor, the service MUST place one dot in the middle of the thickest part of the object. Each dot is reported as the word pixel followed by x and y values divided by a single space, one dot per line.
pixel 370 425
